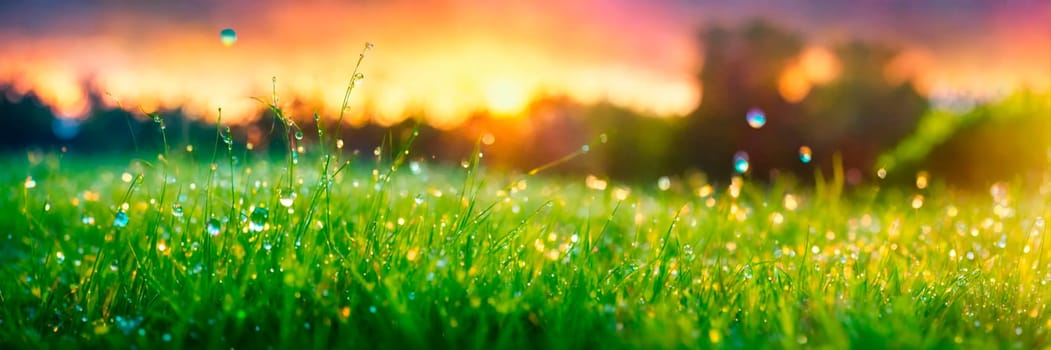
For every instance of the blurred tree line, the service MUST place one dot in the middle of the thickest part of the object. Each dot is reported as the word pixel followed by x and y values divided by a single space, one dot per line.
pixel 860 114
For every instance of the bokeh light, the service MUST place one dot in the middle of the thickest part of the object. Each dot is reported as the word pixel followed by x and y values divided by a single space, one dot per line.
pixel 805 154
pixel 755 118
pixel 741 164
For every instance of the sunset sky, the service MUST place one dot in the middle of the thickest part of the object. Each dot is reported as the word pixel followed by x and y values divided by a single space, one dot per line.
pixel 446 59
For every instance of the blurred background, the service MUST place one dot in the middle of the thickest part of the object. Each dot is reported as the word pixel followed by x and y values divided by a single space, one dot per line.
pixel 960 90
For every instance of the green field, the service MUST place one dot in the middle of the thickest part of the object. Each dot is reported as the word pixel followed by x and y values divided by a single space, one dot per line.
pixel 208 248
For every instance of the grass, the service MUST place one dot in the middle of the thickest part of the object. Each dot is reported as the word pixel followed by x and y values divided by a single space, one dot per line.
pixel 226 247
pixel 387 255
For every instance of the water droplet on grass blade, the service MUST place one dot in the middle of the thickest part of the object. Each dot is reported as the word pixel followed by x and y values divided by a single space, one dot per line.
pixel 287 198
pixel 213 227
pixel 177 210
pixel 229 140
pixel 121 220
pixel 755 118
pixel 258 219
pixel 228 36
pixel 299 135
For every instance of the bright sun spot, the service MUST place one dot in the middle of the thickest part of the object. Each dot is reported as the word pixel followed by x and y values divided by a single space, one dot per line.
pixel 505 97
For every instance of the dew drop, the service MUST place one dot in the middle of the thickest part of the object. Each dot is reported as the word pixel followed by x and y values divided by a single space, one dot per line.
pixel 756 118
pixel 741 162
pixel 299 134
pixel 228 37
pixel 917 201
pixel 229 140
pixel 258 219
pixel 663 183
pixel 121 220
pixel 287 198
pixel 213 227
pixel 999 192
pixel 177 210
pixel 805 154
pixel 922 179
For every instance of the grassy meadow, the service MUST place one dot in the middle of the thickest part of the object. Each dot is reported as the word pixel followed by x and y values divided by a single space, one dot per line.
pixel 223 248
pixel 226 246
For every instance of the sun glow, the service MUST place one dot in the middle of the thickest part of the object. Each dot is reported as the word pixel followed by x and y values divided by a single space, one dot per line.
pixel 465 62
pixel 440 60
